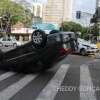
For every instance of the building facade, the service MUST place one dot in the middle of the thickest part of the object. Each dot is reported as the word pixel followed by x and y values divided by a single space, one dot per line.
pixel 37 10
pixel 82 18
pixel 56 11
pixel 83 12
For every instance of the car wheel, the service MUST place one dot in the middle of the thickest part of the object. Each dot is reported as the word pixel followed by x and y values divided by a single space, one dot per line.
pixel 83 52
pixel 54 31
pixel 14 45
pixel 39 38
pixel 1 45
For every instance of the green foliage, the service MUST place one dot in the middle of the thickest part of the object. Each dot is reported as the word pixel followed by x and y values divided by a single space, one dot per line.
pixel 95 30
pixel 71 26
pixel 16 12
pixel 85 31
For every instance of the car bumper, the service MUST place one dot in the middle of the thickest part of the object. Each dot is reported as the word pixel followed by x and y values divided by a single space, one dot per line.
pixel 93 51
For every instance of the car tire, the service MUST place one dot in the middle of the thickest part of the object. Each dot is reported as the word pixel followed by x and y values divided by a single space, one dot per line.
pixel 54 31
pixel 1 45
pixel 83 52
pixel 14 45
pixel 39 39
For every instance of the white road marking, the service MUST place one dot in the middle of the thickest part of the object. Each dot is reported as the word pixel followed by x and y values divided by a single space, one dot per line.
pixel 9 92
pixel 6 75
pixel 50 91
pixel 87 91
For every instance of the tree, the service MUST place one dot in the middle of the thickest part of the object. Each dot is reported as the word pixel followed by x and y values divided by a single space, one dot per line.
pixel 15 12
pixel 95 30
pixel 75 27
pixel 71 26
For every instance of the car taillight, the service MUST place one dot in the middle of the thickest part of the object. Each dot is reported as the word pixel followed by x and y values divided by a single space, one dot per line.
pixel 63 51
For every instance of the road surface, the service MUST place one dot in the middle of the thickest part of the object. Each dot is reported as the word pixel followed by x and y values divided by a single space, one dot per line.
pixel 73 78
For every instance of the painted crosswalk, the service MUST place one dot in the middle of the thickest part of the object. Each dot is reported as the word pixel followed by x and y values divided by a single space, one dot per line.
pixel 13 89
pixel 6 75
pixel 50 90
pixel 87 91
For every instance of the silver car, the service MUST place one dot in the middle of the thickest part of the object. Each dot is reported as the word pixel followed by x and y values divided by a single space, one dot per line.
pixel 11 41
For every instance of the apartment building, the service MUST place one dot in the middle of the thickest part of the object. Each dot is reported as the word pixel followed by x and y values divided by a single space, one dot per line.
pixel 57 11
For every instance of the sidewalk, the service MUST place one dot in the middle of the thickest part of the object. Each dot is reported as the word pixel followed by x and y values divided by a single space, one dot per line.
pixel 97 55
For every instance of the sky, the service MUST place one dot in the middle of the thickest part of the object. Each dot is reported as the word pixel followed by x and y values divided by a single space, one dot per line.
pixel 83 5
pixel 86 5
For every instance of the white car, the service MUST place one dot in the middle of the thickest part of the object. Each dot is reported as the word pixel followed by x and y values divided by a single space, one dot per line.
pixel 86 47
pixel 11 41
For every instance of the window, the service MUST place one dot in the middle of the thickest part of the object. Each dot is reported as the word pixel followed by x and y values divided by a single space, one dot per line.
pixel 34 27
pixel 65 38
pixel 33 10
pixel 8 39
pixel 4 39
pixel 78 14
pixel 38 10
pixel 25 38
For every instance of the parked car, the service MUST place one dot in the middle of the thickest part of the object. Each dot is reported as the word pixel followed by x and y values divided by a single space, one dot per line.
pixel 38 54
pixel 86 47
pixel 9 41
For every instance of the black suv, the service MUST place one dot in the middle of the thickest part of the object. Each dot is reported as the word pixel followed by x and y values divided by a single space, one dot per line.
pixel 38 54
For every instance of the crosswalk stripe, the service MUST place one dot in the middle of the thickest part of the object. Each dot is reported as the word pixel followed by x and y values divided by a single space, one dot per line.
pixel 6 75
pixel 50 91
pixel 16 87
pixel 87 91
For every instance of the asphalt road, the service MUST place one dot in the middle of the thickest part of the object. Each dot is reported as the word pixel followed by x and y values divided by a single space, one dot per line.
pixel 73 78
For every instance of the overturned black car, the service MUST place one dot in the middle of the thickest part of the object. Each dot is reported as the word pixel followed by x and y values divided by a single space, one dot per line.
pixel 40 53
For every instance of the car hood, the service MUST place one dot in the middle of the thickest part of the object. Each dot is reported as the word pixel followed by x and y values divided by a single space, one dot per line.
pixel 90 45
pixel 87 43
pixel 93 45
